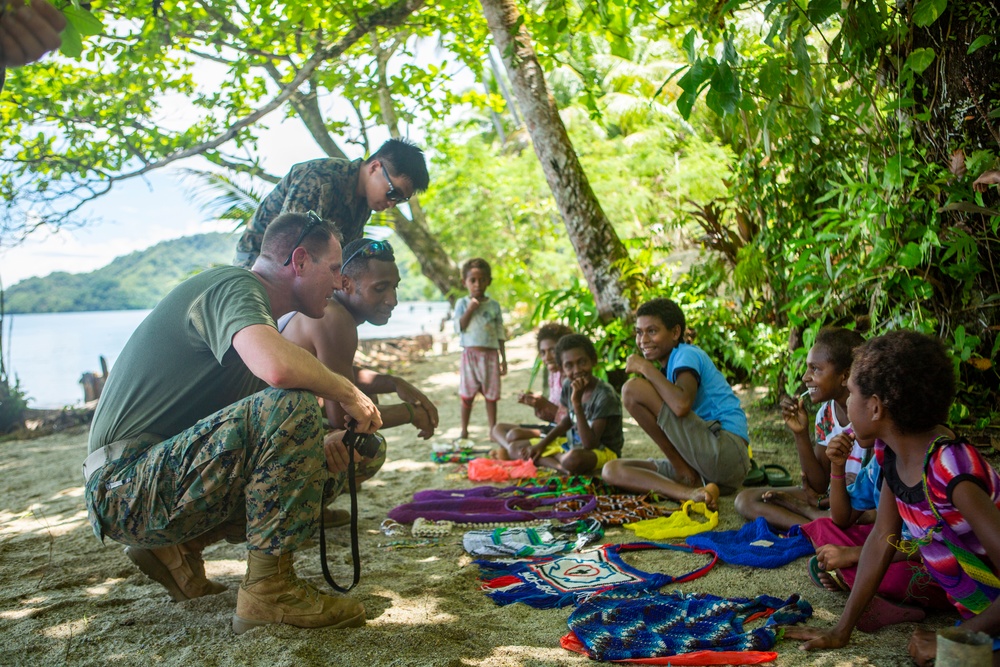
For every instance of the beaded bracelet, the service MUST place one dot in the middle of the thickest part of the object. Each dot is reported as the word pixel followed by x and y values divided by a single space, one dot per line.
pixel 838 476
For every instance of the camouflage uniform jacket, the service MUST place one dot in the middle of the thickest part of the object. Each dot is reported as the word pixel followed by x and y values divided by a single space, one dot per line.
pixel 327 186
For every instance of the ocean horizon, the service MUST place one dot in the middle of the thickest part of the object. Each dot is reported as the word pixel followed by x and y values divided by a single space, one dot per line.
pixel 48 353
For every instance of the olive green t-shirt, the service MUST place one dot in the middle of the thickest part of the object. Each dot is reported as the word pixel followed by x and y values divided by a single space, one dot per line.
pixel 180 366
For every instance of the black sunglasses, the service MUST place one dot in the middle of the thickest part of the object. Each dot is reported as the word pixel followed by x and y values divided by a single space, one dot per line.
pixel 393 194
pixel 314 221
pixel 376 249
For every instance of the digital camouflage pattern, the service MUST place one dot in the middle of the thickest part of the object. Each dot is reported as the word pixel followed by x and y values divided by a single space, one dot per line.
pixel 327 186
pixel 257 463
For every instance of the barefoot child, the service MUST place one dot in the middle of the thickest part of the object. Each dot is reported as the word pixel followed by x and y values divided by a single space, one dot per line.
pixel 686 406
pixel 546 409
pixel 593 421
pixel 902 385
pixel 828 364
pixel 479 323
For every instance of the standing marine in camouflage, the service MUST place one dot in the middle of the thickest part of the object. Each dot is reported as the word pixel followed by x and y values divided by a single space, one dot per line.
pixel 209 427
pixel 344 193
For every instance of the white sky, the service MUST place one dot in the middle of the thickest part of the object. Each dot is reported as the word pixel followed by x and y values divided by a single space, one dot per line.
pixel 139 213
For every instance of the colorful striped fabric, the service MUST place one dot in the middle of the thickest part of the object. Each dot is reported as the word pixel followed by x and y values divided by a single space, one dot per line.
pixel 953 554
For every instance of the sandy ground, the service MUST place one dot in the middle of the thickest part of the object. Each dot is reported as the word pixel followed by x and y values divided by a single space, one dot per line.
pixel 67 599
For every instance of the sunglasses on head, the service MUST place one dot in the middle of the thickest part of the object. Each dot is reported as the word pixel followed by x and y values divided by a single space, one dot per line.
pixel 314 221
pixel 371 250
pixel 393 195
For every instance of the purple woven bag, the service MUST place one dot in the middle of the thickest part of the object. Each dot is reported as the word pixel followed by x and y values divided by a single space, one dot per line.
pixel 479 509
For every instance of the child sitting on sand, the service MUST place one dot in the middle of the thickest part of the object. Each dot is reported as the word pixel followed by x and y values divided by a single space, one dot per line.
pixel 546 409
pixel 902 385
pixel 686 406
pixel 593 421
pixel 828 365
pixel 838 540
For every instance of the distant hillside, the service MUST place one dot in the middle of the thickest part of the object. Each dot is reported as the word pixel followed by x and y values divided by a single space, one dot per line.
pixel 139 280
pixel 135 281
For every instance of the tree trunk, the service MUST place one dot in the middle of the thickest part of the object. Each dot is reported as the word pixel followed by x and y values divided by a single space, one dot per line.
pixel 435 263
pixel 597 245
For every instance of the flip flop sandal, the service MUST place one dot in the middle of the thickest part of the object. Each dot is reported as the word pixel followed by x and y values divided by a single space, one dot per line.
pixel 776 475
pixel 816 572
pixel 755 476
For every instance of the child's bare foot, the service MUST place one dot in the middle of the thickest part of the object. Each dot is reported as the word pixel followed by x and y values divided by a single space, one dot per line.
pixel 708 494
pixel 880 613
pixel 831 583
pixel 499 453
pixel 788 501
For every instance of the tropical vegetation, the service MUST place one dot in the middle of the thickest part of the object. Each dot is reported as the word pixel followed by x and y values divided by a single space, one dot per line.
pixel 775 165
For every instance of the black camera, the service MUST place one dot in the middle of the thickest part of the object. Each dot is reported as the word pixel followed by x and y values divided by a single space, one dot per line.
pixel 366 444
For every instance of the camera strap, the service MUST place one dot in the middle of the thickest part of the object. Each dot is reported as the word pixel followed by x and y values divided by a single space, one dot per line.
pixel 355 553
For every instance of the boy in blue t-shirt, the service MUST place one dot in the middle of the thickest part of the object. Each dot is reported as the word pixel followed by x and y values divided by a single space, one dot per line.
pixel 686 406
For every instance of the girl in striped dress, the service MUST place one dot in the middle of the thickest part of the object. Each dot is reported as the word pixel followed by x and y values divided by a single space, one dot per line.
pixel 902 385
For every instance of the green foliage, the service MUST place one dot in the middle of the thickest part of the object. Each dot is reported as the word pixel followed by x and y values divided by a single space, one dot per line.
pixel 135 281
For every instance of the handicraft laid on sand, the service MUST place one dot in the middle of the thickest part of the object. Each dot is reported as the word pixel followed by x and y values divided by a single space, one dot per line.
pixel 521 542
pixel 755 545
pixel 487 504
pixel 674 628
pixel 557 582
pixel 617 510
pixel 492 470
pixel 680 524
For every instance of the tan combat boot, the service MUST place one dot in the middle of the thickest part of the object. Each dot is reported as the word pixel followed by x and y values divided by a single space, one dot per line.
pixel 272 593
pixel 179 568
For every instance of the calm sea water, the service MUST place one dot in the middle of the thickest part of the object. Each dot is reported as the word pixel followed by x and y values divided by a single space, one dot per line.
pixel 49 353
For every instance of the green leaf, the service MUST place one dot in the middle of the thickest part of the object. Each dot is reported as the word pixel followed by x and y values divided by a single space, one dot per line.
pixel 820 10
pixel 920 59
pixel 72 41
pixel 688 44
pixel 978 43
pixel 910 256
pixel 724 93
pixel 85 23
pixel 927 11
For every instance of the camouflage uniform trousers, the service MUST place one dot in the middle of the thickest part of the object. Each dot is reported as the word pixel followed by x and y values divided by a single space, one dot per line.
pixel 257 465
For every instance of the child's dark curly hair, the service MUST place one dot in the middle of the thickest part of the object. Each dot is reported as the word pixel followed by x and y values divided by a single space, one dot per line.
pixel 911 373
pixel 477 263
pixel 669 313
pixel 839 344
pixel 552 331
pixel 573 342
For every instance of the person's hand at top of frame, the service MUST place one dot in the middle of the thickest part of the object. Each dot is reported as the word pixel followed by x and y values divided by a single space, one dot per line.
pixel 986 179
pixel 28 30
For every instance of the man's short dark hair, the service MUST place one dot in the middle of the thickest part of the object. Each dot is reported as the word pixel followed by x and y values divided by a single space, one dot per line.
pixel 669 313
pixel 404 158
pixel 552 331
pixel 575 342
pixel 355 251
pixel 477 263
pixel 282 232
